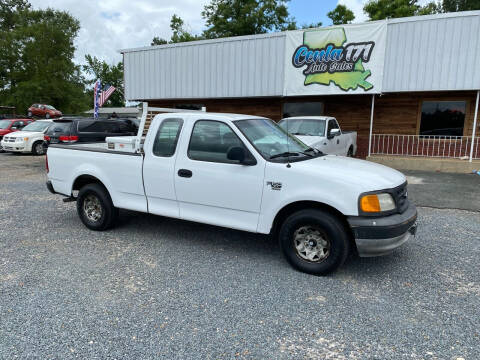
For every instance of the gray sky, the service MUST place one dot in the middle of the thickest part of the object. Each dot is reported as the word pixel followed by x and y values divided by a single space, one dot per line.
pixel 110 25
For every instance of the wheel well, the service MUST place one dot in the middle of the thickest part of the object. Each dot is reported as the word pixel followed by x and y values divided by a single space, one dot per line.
pixel 84 180
pixel 302 205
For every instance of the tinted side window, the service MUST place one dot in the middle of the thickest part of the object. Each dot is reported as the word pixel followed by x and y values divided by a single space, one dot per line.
pixel 111 127
pixel 167 137
pixel 211 141
pixel 332 124
pixel 90 126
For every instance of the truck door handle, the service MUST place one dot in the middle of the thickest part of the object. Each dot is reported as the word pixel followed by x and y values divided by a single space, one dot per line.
pixel 338 141
pixel 185 173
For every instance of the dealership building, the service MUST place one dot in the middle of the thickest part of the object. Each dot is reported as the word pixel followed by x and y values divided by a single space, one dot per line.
pixel 408 86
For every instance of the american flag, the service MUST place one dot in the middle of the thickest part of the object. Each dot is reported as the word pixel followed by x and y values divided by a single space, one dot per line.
pixel 105 94
pixel 96 93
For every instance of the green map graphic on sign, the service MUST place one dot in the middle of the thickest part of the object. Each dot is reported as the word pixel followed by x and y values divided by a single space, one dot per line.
pixel 328 59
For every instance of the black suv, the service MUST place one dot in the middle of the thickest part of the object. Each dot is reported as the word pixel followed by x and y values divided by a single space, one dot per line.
pixel 73 130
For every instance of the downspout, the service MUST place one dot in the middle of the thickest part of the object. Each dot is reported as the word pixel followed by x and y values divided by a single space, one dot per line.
pixel 371 125
pixel 474 125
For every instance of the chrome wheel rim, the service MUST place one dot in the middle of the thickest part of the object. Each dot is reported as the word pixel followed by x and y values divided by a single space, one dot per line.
pixel 92 208
pixel 311 244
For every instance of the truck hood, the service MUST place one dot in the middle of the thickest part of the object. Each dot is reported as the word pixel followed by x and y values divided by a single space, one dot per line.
pixel 310 140
pixel 17 134
pixel 365 175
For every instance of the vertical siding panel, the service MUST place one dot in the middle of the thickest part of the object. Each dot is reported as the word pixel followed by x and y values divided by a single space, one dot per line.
pixel 455 71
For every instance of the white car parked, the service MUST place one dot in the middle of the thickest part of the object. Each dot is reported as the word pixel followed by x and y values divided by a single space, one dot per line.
pixel 322 133
pixel 240 172
pixel 29 140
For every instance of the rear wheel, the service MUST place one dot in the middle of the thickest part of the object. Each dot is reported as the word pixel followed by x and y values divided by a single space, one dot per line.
pixel 29 114
pixel 47 116
pixel 314 241
pixel 37 148
pixel 95 207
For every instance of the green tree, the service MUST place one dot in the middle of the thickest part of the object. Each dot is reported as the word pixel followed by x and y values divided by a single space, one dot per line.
pixel 10 20
pixel 37 51
pixel 460 5
pixel 305 26
pixel 245 17
pixel 179 33
pixel 158 41
pixel 108 75
pixel 341 15
pixel 383 9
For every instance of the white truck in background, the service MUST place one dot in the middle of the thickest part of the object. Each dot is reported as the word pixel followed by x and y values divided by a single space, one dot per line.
pixel 241 172
pixel 322 133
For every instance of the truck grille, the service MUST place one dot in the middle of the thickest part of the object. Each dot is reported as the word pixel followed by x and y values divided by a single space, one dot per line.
pixel 9 139
pixel 401 197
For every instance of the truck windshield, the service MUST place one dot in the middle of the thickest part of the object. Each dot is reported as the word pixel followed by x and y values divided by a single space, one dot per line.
pixel 305 127
pixel 273 142
pixel 4 124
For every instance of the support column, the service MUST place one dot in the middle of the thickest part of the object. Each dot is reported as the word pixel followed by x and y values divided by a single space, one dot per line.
pixel 474 125
pixel 371 125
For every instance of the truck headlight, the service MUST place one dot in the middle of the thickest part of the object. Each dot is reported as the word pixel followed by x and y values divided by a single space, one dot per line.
pixel 19 139
pixel 374 203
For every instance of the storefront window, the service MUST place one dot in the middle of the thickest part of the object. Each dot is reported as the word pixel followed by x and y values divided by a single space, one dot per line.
pixel 302 109
pixel 444 118
pixel 190 106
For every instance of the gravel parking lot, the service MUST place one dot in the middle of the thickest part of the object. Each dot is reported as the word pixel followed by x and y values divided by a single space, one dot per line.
pixel 156 288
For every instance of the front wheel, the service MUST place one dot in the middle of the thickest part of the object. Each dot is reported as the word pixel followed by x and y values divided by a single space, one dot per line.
pixel 314 241
pixel 29 114
pixel 95 207
pixel 47 116
pixel 37 148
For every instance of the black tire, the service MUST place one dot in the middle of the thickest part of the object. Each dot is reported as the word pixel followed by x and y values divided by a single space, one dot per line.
pixel 29 114
pixel 47 116
pixel 108 213
pixel 350 151
pixel 38 148
pixel 332 230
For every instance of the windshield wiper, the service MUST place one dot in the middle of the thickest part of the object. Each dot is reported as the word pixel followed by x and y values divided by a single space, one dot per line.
pixel 304 134
pixel 284 154
pixel 316 152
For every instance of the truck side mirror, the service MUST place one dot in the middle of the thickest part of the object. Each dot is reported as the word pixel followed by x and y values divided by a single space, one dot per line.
pixel 238 153
pixel 332 133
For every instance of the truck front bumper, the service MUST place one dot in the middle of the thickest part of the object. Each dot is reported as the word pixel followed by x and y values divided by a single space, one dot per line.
pixel 375 236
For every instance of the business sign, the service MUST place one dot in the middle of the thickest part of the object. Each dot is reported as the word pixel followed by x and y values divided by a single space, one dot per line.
pixel 338 60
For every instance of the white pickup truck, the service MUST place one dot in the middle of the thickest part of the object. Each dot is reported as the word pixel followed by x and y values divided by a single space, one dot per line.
pixel 241 172
pixel 322 133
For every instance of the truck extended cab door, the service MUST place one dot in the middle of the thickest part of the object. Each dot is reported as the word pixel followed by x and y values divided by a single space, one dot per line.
pixel 211 188
pixel 159 166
